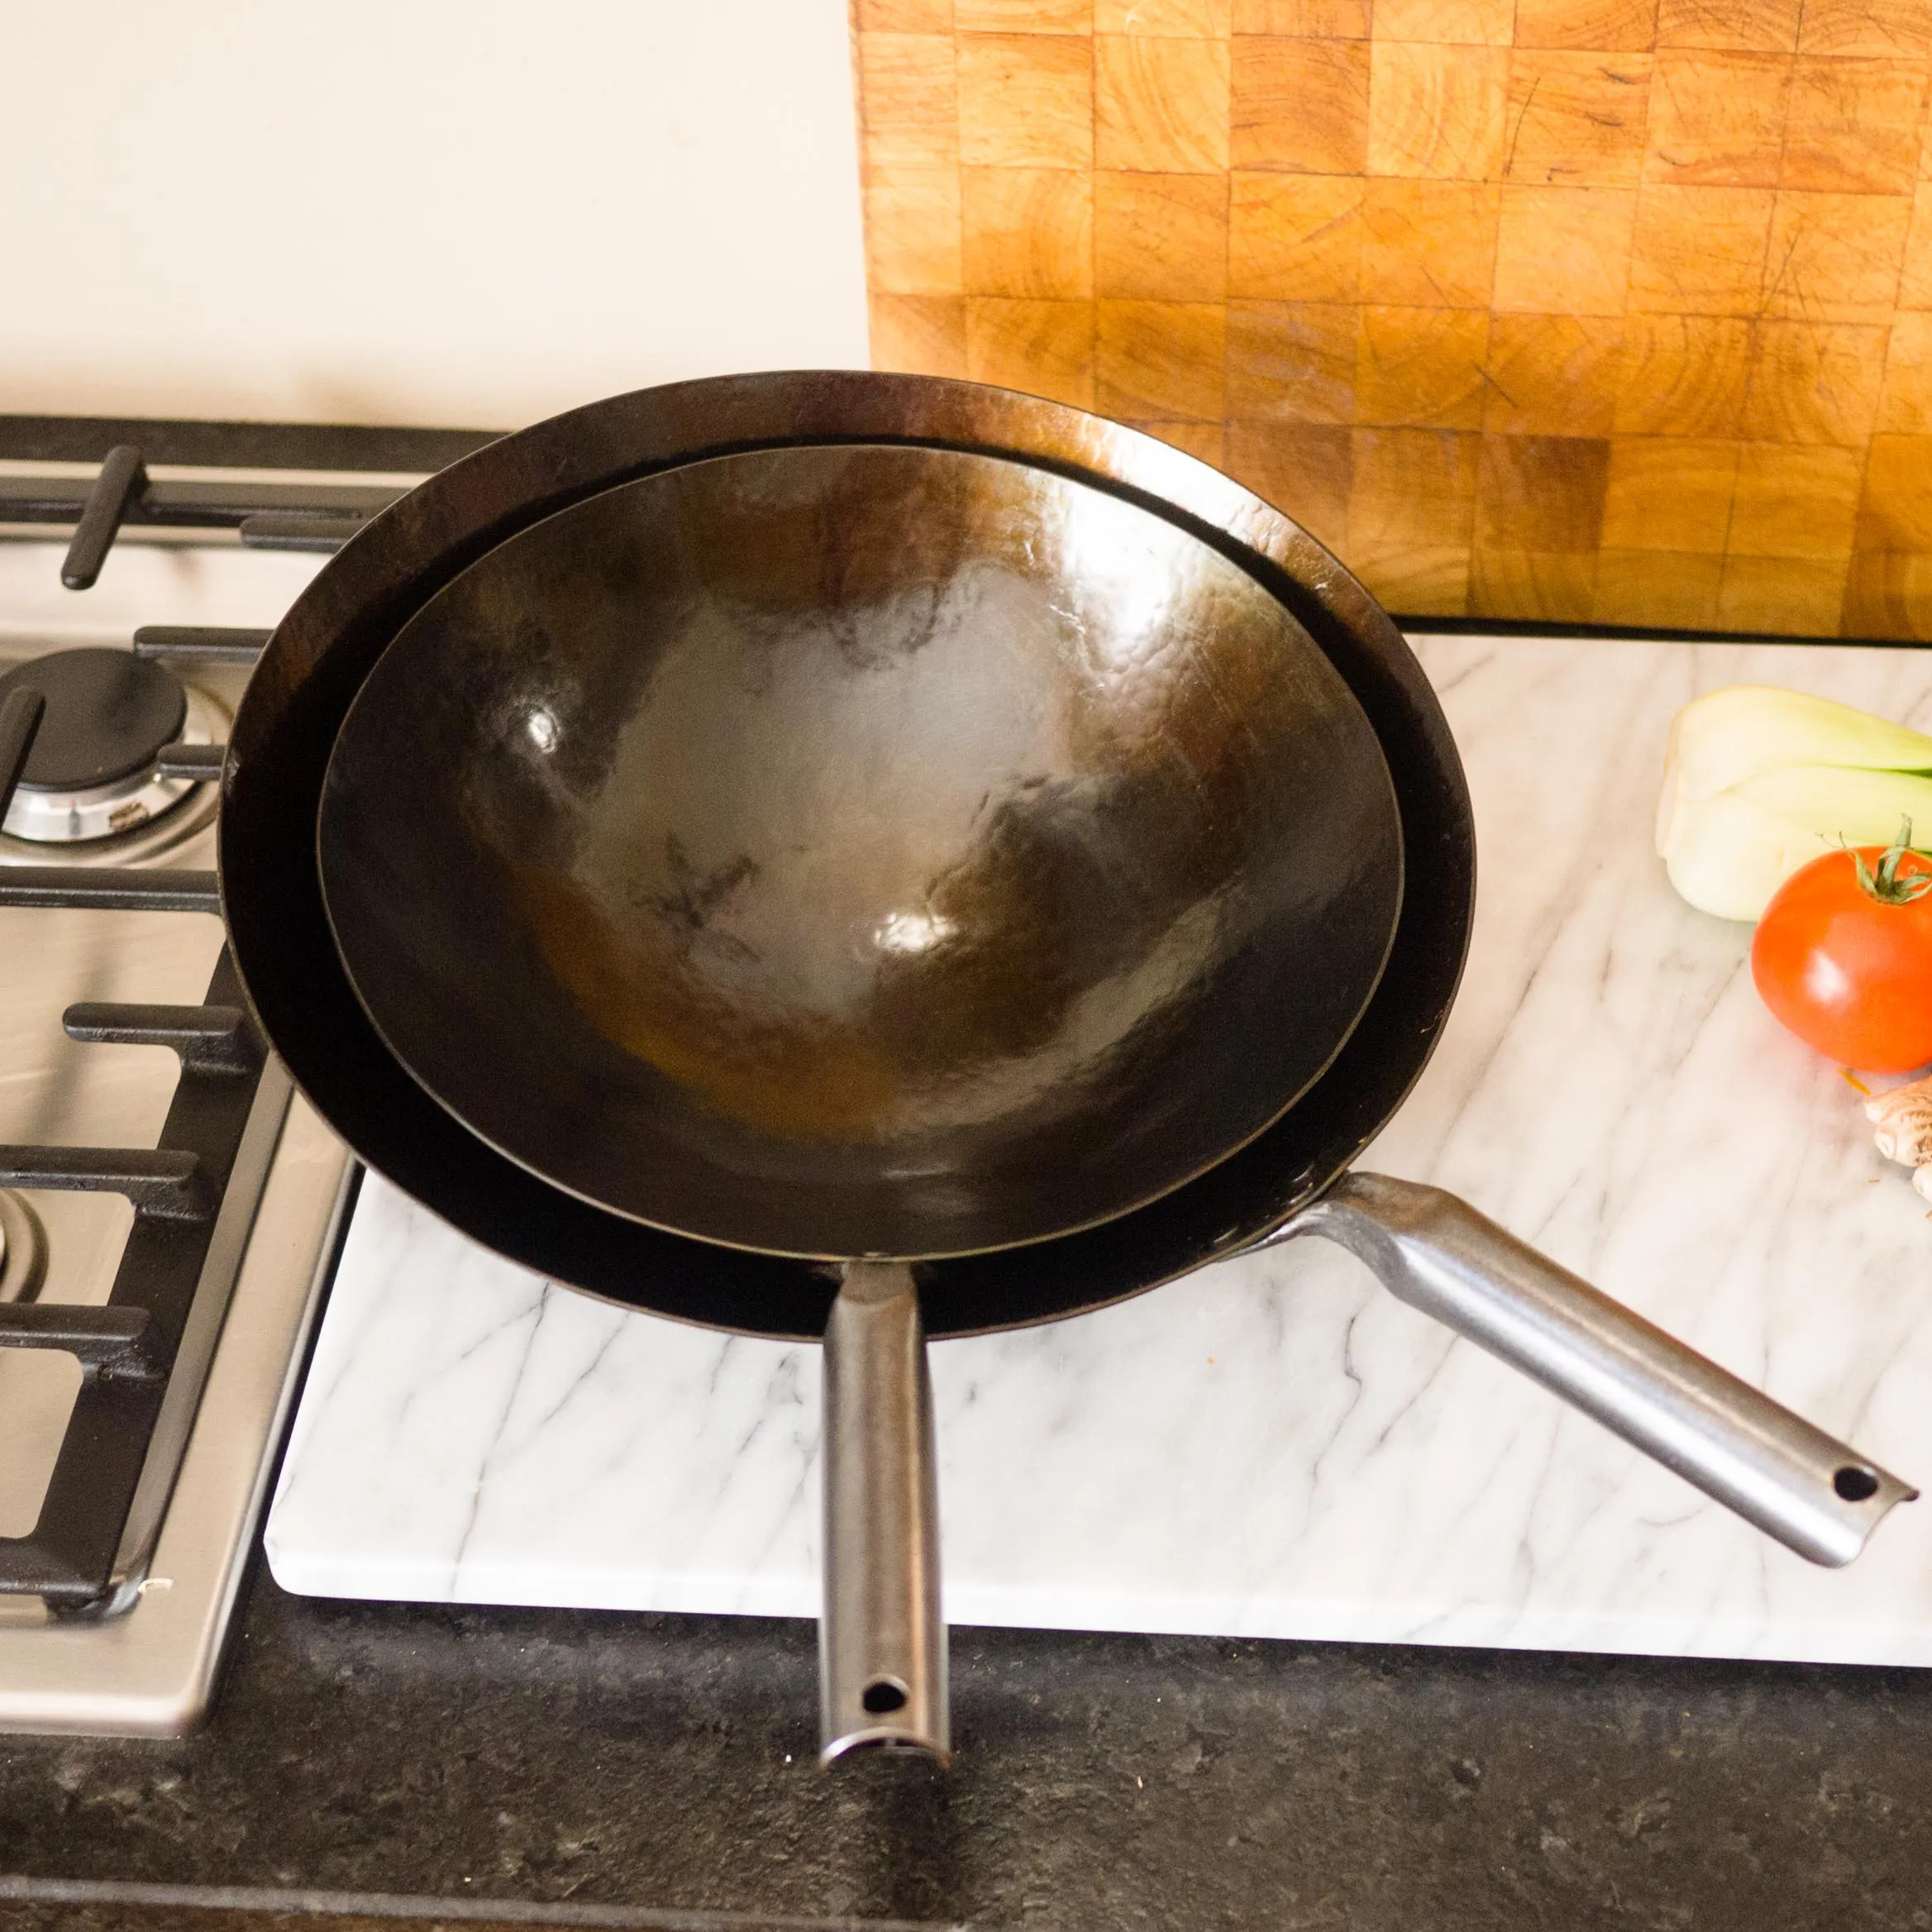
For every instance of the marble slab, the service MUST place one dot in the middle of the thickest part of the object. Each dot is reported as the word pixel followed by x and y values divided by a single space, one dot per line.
pixel 1273 1447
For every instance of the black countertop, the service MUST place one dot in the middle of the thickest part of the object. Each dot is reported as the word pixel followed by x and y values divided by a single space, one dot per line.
pixel 667 1763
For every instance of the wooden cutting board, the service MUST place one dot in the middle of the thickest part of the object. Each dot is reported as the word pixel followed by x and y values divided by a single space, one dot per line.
pixel 1609 310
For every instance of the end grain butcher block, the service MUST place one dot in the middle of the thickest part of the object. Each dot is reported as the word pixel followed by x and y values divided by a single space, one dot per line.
pixel 1274 1447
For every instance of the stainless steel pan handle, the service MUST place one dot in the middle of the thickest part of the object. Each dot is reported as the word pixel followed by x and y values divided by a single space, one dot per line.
pixel 1816 1495
pixel 881 1639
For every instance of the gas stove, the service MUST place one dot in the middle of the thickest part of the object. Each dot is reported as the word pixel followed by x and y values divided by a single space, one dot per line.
pixel 169 1207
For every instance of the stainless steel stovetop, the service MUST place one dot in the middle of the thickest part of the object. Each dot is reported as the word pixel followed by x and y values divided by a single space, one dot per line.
pixel 138 1649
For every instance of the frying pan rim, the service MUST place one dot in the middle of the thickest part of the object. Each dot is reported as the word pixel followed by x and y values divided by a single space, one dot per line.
pixel 309 671
pixel 1225 1151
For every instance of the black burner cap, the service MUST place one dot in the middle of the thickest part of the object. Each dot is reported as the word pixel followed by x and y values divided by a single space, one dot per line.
pixel 108 713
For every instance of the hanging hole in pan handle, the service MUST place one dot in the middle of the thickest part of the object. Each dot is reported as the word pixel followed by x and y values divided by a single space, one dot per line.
pixel 884 1694
pixel 882 1636
pixel 1815 1494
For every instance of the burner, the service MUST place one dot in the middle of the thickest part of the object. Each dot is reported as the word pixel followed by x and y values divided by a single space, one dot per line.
pixel 90 773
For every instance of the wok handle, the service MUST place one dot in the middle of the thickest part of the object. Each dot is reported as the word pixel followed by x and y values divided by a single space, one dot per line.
pixel 1814 1495
pixel 881 1641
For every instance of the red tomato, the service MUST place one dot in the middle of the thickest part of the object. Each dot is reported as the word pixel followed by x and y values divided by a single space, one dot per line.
pixel 1843 956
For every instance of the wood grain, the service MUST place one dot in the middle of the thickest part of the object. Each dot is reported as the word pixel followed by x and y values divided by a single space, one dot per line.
pixel 1552 374
pixel 1295 361
pixel 1339 20
pixel 1163 237
pixel 1814 383
pixel 1162 359
pixel 1423 366
pixel 1306 468
pixel 1300 106
pixel 1558 586
pixel 1701 250
pixel 1617 309
pixel 1437 112
pixel 1905 406
pixel 919 334
pixel 1295 235
pixel 1669 493
pixel 1564 250
pixel 1162 105
pixel 1577 120
pixel 1168 19
pixel 1025 101
pixel 1027 232
pixel 1717 119
pixel 1045 348
pixel 908 94
pixel 1683 375
pixel 1430 244
pixel 1608 27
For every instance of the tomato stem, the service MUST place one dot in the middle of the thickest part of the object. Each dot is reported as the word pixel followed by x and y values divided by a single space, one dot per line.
pixel 1883 882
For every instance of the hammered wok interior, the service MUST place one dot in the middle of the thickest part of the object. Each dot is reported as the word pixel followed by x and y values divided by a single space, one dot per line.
pixel 861 851
pixel 288 723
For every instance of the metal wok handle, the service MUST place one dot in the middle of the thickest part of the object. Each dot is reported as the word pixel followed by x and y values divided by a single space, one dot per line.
pixel 881 1640
pixel 1814 1495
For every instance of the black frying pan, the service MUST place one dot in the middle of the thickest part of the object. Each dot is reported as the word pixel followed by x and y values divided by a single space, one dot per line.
pixel 1811 1491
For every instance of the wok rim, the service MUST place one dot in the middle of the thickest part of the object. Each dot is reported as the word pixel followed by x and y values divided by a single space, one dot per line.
pixel 320 654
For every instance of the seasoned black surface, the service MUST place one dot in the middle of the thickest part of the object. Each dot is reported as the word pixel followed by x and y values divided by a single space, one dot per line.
pixel 815 850
pixel 1102 1781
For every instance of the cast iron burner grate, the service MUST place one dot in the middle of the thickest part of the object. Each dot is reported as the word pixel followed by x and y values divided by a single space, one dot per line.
pixel 133 1349
pixel 270 513
pixel 145 1352
pixel 189 1334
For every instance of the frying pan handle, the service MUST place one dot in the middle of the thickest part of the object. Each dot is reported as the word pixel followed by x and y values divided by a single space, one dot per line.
pixel 881 1641
pixel 1816 1495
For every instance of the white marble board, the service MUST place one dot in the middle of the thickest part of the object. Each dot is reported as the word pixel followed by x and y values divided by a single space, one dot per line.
pixel 1273 1447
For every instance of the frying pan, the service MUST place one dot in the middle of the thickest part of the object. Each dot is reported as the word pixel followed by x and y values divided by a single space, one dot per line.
pixel 1812 1493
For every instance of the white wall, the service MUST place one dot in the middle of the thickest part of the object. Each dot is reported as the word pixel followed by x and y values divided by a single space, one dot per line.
pixel 472 212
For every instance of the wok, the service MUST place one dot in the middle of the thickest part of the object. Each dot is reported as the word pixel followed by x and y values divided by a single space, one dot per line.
pixel 883 1633
pixel 861 851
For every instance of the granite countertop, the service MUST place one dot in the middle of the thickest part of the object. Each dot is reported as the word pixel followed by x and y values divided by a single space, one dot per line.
pixel 665 1763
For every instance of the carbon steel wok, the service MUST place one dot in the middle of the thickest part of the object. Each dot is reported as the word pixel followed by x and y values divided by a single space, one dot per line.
pixel 884 1640
pixel 861 851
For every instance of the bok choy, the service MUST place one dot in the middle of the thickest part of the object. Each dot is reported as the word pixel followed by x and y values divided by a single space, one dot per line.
pixel 1758 782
